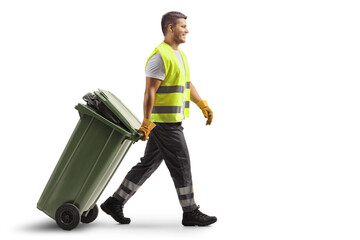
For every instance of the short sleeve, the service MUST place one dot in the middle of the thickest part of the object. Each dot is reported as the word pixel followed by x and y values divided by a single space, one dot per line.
pixel 155 67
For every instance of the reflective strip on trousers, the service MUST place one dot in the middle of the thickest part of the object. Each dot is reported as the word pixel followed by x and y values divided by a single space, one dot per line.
pixel 186 196
pixel 185 190
pixel 187 202
pixel 123 194
pixel 130 185
pixel 133 187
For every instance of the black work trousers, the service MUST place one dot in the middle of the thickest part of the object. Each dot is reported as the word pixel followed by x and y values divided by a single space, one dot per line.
pixel 166 142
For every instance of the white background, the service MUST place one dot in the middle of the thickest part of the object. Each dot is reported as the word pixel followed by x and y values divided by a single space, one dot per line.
pixel 281 159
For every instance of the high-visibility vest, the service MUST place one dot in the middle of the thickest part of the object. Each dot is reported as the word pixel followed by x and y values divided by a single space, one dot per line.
pixel 176 85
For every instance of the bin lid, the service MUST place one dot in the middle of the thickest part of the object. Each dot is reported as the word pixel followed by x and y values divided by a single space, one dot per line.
pixel 120 110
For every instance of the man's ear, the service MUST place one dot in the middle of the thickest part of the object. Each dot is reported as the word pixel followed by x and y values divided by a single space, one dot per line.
pixel 170 28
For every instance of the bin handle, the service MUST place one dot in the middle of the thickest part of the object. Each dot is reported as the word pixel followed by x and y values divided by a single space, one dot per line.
pixel 140 135
pixel 103 94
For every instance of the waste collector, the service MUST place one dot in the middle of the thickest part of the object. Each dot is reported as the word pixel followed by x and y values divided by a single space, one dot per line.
pixel 166 103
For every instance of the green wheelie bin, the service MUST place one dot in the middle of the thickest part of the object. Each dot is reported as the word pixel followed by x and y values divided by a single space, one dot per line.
pixel 93 153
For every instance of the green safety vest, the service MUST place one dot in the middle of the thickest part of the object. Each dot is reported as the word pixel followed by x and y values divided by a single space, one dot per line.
pixel 170 95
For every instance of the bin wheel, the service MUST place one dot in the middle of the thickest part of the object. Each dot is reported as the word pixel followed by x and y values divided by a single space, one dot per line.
pixel 67 216
pixel 91 216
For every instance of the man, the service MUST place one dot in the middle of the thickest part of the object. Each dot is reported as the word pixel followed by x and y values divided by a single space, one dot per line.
pixel 166 103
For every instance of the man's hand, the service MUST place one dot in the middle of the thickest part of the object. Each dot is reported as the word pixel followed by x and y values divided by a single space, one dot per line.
pixel 146 128
pixel 206 111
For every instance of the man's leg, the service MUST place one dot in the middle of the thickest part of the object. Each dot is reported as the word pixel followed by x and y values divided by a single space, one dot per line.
pixel 132 182
pixel 141 171
pixel 176 155
pixel 173 147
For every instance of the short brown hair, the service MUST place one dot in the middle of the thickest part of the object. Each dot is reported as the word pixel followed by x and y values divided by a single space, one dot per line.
pixel 170 18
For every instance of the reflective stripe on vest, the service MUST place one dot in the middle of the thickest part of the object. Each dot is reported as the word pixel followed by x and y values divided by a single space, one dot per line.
pixel 174 88
pixel 169 109
pixel 170 89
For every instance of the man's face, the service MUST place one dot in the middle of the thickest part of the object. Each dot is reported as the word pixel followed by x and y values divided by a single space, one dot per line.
pixel 180 31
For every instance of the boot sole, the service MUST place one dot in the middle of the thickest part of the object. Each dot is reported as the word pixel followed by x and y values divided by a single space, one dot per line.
pixel 108 211
pixel 191 224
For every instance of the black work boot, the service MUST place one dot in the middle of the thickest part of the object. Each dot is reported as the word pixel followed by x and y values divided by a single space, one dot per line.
pixel 114 208
pixel 196 217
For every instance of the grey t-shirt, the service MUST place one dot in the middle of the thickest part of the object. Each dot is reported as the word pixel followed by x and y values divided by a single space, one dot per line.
pixel 155 66
pixel 155 69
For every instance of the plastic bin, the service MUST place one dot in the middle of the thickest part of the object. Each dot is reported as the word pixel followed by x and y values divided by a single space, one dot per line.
pixel 89 160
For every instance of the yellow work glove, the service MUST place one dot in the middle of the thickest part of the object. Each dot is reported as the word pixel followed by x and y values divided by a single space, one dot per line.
pixel 146 127
pixel 206 111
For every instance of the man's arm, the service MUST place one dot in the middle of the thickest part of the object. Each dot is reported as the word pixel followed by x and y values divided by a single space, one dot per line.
pixel 152 85
pixel 194 95
pixel 202 104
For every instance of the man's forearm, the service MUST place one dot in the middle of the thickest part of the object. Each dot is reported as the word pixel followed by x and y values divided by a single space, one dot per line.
pixel 152 85
pixel 149 98
pixel 194 95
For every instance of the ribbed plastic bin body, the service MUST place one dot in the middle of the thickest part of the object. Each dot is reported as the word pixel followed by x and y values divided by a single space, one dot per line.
pixel 89 160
